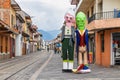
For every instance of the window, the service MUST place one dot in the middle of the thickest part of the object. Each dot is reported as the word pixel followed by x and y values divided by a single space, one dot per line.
pixel 102 42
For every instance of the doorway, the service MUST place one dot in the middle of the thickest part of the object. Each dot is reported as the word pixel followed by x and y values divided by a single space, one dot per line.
pixel 116 48
pixel 12 47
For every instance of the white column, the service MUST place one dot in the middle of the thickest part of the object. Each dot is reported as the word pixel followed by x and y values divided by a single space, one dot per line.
pixel 112 59
pixel 96 7
pixel 18 45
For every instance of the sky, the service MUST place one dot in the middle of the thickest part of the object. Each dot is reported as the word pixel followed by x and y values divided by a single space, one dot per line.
pixel 46 14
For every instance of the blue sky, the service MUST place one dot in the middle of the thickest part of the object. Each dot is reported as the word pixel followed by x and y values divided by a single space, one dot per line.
pixel 46 14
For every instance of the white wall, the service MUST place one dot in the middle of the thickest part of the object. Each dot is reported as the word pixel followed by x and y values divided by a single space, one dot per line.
pixel 110 5
pixel 18 45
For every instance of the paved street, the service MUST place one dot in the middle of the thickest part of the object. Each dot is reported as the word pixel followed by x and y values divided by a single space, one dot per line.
pixel 53 71
pixel 22 68
pixel 45 65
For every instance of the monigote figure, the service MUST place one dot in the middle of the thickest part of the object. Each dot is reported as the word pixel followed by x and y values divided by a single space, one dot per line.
pixel 82 47
pixel 68 32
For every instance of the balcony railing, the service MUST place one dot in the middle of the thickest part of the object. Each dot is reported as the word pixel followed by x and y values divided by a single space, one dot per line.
pixel 104 15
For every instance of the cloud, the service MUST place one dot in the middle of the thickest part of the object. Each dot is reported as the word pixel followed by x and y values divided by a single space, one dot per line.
pixel 47 15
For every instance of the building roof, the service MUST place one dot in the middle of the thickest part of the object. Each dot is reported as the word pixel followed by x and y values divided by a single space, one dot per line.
pixel 24 14
pixel 15 5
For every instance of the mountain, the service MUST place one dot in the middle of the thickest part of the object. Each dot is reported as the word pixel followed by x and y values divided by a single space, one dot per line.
pixel 49 35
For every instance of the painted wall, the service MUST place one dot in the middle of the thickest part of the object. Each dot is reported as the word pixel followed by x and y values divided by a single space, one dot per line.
pixel 12 13
pixel 5 11
pixel 5 47
pixel 104 58
pixel 110 5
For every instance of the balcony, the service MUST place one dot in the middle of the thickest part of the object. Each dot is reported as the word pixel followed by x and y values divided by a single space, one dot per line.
pixel 5 29
pixel 104 20
pixel 104 15
pixel 33 28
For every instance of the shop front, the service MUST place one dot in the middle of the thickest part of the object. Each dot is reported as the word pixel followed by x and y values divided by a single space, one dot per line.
pixel 5 41
pixel 107 42
pixel 115 51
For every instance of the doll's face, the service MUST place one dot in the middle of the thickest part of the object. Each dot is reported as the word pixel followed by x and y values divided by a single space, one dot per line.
pixel 80 20
pixel 69 18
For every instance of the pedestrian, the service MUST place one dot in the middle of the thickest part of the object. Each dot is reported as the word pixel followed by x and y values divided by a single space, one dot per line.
pixel 48 48
pixel 54 49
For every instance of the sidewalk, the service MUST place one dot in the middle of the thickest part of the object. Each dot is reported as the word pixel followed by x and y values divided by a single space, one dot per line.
pixel 18 57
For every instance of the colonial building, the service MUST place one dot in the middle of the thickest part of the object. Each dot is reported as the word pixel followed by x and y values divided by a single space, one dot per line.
pixel 8 28
pixel 35 38
pixel 26 33
pixel 15 30
pixel 104 24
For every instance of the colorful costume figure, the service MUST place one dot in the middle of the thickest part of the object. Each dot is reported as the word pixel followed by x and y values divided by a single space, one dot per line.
pixel 82 47
pixel 68 42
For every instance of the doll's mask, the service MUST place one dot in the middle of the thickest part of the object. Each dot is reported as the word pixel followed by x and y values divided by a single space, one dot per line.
pixel 80 20
pixel 69 20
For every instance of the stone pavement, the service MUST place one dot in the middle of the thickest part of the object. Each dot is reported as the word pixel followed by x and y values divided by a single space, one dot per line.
pixel 23 67
pixel 53 71
pixel 48 66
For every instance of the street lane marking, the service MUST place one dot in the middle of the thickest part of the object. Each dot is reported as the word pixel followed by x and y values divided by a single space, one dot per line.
pixel 36 74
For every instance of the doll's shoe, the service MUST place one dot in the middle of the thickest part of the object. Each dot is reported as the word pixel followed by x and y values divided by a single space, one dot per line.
pixel 85 71
pixel 80 67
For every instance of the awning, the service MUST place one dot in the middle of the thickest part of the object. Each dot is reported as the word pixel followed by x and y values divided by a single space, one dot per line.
pixel 5 29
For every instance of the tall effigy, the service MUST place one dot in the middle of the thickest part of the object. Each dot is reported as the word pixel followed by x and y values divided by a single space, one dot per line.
pixel 68 35
pixel 82 47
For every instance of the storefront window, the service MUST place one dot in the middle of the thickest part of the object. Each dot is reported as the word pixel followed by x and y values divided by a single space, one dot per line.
pixel 116 48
